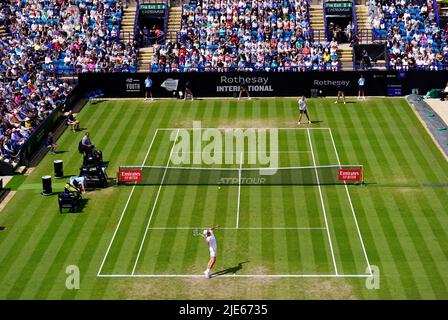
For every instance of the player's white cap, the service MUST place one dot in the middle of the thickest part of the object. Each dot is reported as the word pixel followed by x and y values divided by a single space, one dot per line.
pixel 205 232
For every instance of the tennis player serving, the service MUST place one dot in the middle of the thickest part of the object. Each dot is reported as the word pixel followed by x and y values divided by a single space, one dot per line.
pixel 210 240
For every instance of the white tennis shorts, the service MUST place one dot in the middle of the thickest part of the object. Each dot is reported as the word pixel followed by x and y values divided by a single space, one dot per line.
pixel 212 252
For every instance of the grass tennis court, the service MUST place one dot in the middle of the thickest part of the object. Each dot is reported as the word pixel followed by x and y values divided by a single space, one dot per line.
pixel 280 242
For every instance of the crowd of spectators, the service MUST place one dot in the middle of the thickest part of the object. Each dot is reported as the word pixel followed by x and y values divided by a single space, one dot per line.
pixel 259 35
pixel 79 35
pixel 414 40
pixel 46 36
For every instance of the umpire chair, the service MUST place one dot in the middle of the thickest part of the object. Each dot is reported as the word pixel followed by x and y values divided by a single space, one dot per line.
pixel 70 198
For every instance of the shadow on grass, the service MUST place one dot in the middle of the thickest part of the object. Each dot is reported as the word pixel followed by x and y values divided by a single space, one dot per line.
pixel 230 270
pixel 79 208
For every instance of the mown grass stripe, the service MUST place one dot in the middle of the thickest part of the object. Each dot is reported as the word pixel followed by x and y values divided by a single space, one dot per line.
pixel 368 152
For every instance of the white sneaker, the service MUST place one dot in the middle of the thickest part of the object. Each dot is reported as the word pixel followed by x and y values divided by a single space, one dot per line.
pixel 206 274
pixel 309 122
pixel 250 98
pixel 335 102
pixel 298 122
pixel 152 99
pixel 364 98
pixel 344 102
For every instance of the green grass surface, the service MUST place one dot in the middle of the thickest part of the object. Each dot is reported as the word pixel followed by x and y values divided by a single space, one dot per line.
pixel 403 224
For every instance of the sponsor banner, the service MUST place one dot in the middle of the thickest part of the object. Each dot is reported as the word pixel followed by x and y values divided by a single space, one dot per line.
pixel 262 84
pixel 133 85
pixel 338 9
pixel 350 174
pixel 170 84
pixel 228 83
pixel 152 10
pixel 130 175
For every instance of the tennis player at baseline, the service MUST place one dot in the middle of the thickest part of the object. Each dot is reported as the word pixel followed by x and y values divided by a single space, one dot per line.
pixel 209 238
pixel 303 109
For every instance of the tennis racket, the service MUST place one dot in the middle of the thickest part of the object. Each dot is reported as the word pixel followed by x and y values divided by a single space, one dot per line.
pixel 198 232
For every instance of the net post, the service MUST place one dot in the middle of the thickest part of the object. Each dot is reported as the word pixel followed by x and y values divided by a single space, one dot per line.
pixel 118 176
pixel 363 183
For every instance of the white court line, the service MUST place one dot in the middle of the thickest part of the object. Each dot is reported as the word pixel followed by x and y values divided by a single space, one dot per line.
pixel 238 228
pixel 155 204
pixel 126 206
pixel 322 202
pixel 239 191
pixel 249 152
pixel 351 206
pixel 235 276
pixel 231 128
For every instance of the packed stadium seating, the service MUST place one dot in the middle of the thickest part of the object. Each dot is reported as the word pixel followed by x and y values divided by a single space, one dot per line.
pixel 47 38
pixel 246 36
pixel 414 39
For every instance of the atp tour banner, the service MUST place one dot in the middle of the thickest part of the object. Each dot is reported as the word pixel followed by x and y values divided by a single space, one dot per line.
pixel 263 84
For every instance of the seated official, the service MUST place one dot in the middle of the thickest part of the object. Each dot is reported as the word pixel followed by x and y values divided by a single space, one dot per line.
pixel 72 121
pixel 79 182
pixel 72 188
pixel 86 146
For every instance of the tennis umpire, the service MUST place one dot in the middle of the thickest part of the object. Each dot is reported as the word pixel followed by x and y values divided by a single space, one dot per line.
pixel 85 145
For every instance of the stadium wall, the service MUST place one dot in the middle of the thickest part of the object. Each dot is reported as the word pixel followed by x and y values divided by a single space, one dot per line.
pixel 263 84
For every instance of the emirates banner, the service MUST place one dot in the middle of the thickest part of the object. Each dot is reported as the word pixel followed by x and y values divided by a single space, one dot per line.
pixel 350 175
pixel 130 176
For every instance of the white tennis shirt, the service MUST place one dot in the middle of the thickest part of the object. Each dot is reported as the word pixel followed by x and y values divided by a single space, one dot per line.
pixel 212 241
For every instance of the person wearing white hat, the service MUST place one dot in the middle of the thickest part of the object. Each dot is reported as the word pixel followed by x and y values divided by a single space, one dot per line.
pixel 209 238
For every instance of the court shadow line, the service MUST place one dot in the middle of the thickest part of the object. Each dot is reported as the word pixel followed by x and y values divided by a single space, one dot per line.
pixel 230 270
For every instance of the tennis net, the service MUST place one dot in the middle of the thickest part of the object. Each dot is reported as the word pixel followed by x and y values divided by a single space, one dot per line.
pixel 323 175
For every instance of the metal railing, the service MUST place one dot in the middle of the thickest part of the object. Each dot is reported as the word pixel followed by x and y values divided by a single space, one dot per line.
pixel 136 17
pixel 355 18
pixel 354 35
pixel 308 12
pixel 165 18
pixel 365 36
pixel 384 65
pixel 74 71
pixel 325 20
pixel 436 11
pixel 318 35
pixel 149 67
pixel 126 35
